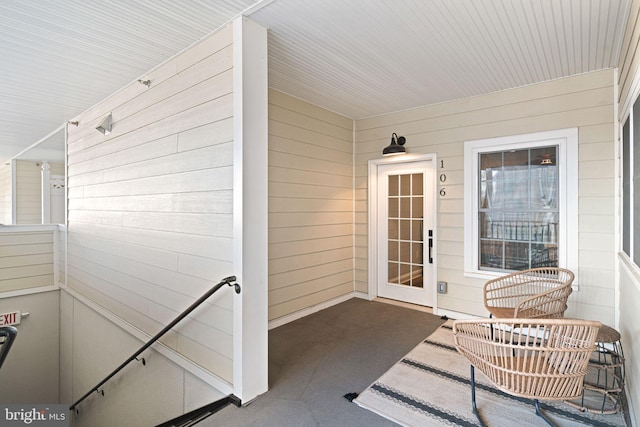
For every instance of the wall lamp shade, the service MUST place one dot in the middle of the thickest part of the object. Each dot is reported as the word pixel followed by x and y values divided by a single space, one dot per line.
pixel 105 125
pixel 396 146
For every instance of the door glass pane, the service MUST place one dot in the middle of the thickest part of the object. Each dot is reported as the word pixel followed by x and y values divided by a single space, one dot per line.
pixel 405 233
pixel 417 184
pixel 405 252
pixel 416 253
pixel 394 207
pixel 405 274
pixel 405 207
pixel 393 268
pixel 417 207
pixel 393 250
pixel 405 230
pixel 416 276
pixel 394 225
pixel 405 185
pixel 394 185
pixel 416 230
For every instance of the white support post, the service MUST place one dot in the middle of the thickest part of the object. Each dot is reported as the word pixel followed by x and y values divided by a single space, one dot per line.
pixel 14 197
pixel 250 109
pixel 46 193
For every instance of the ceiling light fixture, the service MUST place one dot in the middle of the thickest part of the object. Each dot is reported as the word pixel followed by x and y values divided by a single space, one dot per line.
pixel 396 146
pixel 546 159
pixel 105 125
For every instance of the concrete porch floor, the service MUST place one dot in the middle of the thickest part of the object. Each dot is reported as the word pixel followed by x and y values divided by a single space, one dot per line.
pixel 316 360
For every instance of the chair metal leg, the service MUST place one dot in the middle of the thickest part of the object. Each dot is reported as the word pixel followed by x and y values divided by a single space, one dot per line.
pixel 540 414
pixel 491 317
pixel 475 407
pixel 473 396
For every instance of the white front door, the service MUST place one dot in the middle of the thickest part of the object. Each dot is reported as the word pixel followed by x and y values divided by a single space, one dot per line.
pixel 405 231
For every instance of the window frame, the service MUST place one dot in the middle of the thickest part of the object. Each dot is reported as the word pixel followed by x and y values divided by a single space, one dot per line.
pixel 567 142
pixel 626 187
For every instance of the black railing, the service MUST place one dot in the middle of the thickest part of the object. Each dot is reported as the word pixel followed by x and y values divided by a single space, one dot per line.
pixel 200 414
pixel 8 335
pixel 226 281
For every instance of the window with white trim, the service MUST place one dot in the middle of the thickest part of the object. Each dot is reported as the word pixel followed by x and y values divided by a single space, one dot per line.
pixel 631 184
pixel 521 202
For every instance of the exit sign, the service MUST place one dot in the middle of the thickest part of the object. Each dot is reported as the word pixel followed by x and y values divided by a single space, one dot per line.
pixel 7 319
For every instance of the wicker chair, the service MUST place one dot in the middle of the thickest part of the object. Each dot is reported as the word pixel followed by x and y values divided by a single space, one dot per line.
pixel 542 359
pixel 532 294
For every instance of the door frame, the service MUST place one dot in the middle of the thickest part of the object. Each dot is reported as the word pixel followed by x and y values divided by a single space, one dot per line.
pixel 373 218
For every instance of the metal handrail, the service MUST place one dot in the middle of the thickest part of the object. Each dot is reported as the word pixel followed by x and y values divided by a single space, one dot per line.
pixel 226 281
pixel 9 333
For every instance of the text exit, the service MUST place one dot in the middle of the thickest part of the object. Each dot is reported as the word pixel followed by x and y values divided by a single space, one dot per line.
pixel 8 319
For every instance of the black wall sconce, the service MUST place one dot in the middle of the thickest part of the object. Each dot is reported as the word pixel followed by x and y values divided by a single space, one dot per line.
pixel 396 146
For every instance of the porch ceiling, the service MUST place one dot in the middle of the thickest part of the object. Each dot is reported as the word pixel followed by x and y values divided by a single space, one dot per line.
pixel 359 58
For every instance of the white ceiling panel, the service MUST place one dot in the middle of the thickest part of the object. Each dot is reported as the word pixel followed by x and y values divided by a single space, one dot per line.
pixel 360 58
pixel 60 57
pixel 368 57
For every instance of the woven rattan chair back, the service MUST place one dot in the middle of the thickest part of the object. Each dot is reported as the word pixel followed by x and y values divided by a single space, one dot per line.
pixel 535 293
pixel 542 359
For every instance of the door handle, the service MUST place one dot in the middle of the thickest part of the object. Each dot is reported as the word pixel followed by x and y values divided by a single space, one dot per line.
pixel 430 246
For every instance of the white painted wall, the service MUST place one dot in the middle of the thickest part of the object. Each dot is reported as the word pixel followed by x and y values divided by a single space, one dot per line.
pixel 142 395
pixel 30 373
pixel 629 275
pixel 170 202
pixel 150 204
pixel 585 101
pixel 630 331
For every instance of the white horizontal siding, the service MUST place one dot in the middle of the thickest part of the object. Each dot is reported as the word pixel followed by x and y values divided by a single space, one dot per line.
pixel 26 260
pixel 584 101
pixel 28 192
pixel 310 205
pixel 150 205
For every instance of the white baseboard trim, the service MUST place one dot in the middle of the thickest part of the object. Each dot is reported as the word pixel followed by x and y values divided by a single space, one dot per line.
pixel 309 310
pixel 362 295
pixel 206 376
pixel 28 291
pixel 454 314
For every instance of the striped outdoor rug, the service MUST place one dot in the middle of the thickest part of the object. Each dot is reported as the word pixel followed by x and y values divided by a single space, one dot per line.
pixel 430 386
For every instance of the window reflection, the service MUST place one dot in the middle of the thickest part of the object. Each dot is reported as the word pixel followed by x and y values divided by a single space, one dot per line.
pixel 518 209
